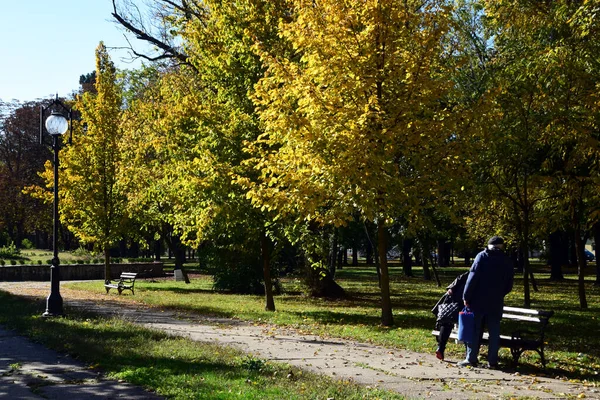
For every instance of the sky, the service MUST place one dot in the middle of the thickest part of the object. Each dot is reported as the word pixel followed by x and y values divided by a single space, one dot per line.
pixel 45 46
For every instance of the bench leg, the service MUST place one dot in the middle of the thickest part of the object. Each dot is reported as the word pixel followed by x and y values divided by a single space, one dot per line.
pixel 120 290
pixel 541 353
pixel 107 289
pixel 516 354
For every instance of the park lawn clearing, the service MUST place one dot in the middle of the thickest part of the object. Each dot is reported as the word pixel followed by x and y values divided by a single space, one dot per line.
pixel 173 367
pixel 572 342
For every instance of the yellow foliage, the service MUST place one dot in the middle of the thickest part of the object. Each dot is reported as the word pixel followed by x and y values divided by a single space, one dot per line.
pixel 353 119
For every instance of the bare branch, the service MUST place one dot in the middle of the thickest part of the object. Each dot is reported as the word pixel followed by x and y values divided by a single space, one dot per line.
pixel 168 51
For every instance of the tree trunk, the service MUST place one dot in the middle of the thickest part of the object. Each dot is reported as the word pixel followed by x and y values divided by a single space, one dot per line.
pixel 333 252
pixel 157 250
pixel 573 260
pixel 378 265
pixel 581 264
pixel 418 256
pixel 387 318
pixel 266 261
pixel 435 273
pixel 444 248
pixel 526 294
pixel 354 255
pixel 178 250
pixel 519 260
pixel 425 258
pixel 579 244
pixel 320 283
pixel 107 276
pixel 597 245
pixel 555 257
pixel 370 247
pixel 369 251
pixel 406 257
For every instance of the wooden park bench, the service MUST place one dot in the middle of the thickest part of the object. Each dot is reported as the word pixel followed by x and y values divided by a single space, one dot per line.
pixel 125 282
pixel 527 331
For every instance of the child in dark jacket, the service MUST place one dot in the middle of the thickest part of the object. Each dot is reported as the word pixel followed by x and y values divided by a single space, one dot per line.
pixel 446 310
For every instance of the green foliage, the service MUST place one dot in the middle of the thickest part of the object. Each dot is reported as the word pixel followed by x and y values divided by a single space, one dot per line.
pixel 26 244
pixel 10 251
pixel 234 270
pixel 82 253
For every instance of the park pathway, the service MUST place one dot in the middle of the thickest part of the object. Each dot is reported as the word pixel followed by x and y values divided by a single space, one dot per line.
pixel 415 375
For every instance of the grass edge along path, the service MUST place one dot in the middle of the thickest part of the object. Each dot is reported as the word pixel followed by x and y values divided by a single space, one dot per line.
pixel 173 367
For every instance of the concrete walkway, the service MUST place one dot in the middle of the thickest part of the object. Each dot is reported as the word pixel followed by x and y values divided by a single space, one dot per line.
pixel 415 375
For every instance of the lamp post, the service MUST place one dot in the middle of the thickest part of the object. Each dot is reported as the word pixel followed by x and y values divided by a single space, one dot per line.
pixel 56 125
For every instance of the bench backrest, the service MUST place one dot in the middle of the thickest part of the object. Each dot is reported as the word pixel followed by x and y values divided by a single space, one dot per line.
pixel 527 315
pixel 128 275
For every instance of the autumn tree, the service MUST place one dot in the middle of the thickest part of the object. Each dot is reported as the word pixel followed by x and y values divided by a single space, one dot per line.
pixel 203 116
pixel 551 85
pixel 149 145
pixel 92 201
pixel 356 121
pixel 21 158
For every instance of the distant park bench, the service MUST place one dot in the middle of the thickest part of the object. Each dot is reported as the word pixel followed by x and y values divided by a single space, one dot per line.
pixel 125 282
pixel 519 340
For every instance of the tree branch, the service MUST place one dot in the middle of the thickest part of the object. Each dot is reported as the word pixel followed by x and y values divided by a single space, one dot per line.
pixel 168 51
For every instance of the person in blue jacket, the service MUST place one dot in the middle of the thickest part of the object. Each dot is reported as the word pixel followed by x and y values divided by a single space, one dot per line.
pixel 490 280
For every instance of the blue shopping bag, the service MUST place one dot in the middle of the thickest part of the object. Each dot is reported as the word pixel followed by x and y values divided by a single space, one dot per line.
pixel 466 325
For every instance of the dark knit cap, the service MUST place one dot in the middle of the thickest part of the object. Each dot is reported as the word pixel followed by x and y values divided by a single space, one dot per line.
pixel 496 240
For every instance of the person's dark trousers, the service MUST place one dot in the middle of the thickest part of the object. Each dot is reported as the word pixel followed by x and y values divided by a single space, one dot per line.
pixel 445 331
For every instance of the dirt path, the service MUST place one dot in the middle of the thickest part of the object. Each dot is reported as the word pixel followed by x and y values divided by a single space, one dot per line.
pixel 415 375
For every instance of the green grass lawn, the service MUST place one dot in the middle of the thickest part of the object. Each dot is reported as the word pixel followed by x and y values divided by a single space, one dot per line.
pixel 37 256
pixel 572 339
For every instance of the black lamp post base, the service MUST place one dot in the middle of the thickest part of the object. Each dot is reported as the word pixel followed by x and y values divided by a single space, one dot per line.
pixel 54 307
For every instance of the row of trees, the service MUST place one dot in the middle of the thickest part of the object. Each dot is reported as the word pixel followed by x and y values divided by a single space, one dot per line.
pixel 258 124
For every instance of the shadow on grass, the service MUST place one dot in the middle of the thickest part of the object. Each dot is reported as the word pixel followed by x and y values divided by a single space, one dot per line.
pixel 141 356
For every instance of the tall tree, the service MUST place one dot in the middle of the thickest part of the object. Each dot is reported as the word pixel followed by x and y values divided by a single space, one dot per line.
pixel 92 202
pixel 357 119
pixel 551 42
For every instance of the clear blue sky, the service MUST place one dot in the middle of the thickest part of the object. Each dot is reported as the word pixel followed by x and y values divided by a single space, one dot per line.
pixel 46 45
